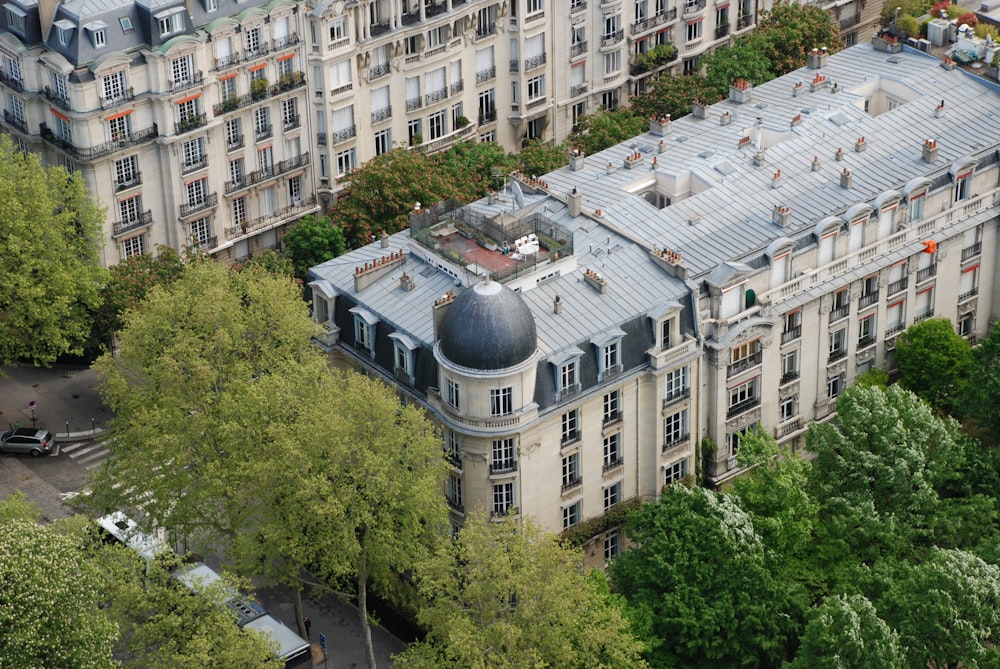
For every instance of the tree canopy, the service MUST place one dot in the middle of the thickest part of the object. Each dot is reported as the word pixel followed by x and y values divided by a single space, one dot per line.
pixel 312 241
pixel 934 362
pixel 506 595
pixel 257 447
pixel 699 583
pixel 50 272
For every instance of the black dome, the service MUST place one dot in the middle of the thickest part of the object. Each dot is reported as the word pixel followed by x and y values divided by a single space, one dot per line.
pixel 487 327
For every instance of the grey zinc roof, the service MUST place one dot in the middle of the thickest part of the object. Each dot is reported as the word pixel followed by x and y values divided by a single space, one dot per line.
pixel 727 221
pixel 732 217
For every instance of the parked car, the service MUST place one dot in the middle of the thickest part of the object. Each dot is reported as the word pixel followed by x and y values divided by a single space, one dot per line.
pixel 27 440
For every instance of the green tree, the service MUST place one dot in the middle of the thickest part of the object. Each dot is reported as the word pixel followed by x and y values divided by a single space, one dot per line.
pixel 128 283
pixel 538 157
pixel 982 402
pixel 186 390
pixel 473 168
pixel 947 610
pixel 699 584
pixel 312 241
pixel 743 60
pixel 787 32
pixel 381 193
pixel 163 625
pixel 377 476
pixel 877 474
pixel 50 601
pixel 597 132
pixel 934 362
pixel 50 273
pixel 507 595
pixel 845 632
pixel 673 95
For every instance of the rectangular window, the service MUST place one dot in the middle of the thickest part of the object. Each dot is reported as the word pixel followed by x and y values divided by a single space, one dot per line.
pixel 744 396
pixel 790 366
pixel 734 438
pixel 196 192
pixel 454 491
pixel 694 30
pixel 866 331
pixel 234 133
pixel 345 162
pixel 289 114
pixel 193 152
pixel 130 209
pixel 536 87
pixel 570 426
pixel 268 200
pixel 787 409
pixel 383 142
pixel 612 495
pixel 200 233
pixel 612 544
pixel 436 124
pixel 338 29
pixel 567 376
pixel 100 39
pixel 675 384
pixel 917 206
pixel 571 470
pixel 612 62
pixel 834 386
pixel 134 246
pixel 610 360
pixel 295 190
pixel 453 396
pixel 612 451
pixel 236 171
pixel 675 472
pixel 182 70
pixel 15 19
pixel 675 429
pixel 969 283
pixel 895 316
pixel 666 326
pixel 253 41
pixel 503 453
pixel 187 110
pixel 571 515
pixel 453 447
pixel 127 171
pixel 362 334
pixel 413 129
pixel 612 407
pixel 113 85
pixel 501 401
pixel 120 129
pixel 240 211
pixel 838 344
pixel 503 499
pixel 265 160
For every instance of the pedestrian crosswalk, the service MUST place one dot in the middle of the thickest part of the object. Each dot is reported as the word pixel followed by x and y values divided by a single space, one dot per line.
pixel 90 454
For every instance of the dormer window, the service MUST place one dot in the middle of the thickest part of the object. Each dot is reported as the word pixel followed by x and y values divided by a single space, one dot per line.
pixel 567 371
pixel 364 330
pixel 98 33
pixel 609 358
pixel 170 21
pixel 403 352
pixel 15 18
pixel 64 31
pixel 211 5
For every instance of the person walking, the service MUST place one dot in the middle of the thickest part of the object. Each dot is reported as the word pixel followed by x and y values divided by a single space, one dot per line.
pixel 308 623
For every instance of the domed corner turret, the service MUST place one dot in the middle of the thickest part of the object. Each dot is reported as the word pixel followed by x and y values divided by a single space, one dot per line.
pixel 488 327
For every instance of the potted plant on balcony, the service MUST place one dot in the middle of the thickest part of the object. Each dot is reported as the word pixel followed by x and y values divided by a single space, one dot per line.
pixel 285 81
pixel 231 102
pixel 461 122
pixel 258 88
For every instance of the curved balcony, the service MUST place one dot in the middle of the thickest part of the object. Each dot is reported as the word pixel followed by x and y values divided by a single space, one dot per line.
pixel 120 143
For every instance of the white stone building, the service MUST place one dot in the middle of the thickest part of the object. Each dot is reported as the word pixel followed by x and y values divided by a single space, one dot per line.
pixel 735 268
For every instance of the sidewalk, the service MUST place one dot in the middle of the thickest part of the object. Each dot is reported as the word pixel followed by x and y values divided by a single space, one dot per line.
pixel 66 401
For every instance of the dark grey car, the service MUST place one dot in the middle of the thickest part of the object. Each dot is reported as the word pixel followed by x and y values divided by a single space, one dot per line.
pixel 28 440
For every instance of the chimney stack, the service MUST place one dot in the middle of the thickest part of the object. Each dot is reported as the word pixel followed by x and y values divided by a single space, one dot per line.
pixel 930 151
pixel 575 202
pixel 576 160
pixel 741 91
pixel 846 180
pixel 817 58
pixel 557 305
pixel 782 215
pixel 441 306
